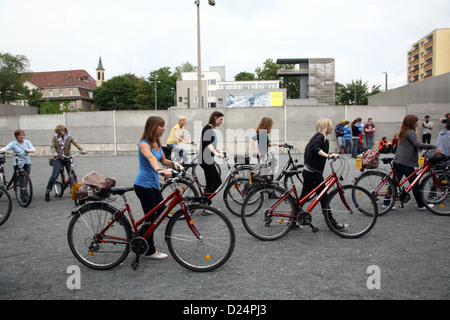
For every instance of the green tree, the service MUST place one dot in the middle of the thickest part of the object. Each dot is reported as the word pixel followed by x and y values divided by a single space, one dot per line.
pixel 355 93
pixel 12 77
pixel 185 67
pixel 245 76
pixel 165 87
pixel 118 93
pixel 269 71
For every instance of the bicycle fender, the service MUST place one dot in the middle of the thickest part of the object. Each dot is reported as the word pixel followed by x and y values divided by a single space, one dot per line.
pixel 91 205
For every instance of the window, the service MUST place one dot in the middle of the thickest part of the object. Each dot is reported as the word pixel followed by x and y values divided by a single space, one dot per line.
pixel 60 93
pixel 71 92
pixel 51 93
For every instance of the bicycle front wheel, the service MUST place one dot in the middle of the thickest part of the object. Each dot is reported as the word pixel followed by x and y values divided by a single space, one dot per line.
pixel 382 188
pixel 435 193
pixel 268 213
pixel 353 207
pixel 23 189
pixel 235 193
pixel 207 250
pixel 5 205
pixel 96 251
pixel 186 187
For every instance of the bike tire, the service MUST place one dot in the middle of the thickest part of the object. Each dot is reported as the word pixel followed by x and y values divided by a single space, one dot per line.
pixel 235 193
pixel 215 245
pixel 436 197
pixel 360 219
pixel 385 193
pixel 86 222
pixel 23 189
pixel 5 205
pixel 256 216
pixel 186 187
pixel 58 187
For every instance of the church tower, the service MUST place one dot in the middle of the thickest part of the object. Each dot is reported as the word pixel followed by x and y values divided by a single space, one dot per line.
pixel 100 73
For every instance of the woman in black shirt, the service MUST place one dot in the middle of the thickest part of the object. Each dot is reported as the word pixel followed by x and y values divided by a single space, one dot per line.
pixel 316 155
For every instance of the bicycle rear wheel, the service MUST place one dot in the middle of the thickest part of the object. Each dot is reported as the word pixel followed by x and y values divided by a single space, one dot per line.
pixel 211 249
pixel 267 213
pixel 354 207
pixel 436 194
pixel 99 252
pixel 5 205
pixel 23 189
pixel 382 189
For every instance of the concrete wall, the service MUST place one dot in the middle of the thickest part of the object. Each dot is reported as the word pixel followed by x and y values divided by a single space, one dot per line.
pixel 118 132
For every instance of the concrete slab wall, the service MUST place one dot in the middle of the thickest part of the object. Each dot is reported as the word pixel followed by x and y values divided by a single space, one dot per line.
pixel 118 132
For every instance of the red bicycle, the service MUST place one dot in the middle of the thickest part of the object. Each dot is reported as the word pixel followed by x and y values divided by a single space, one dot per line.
pixel 434 184
pixel 199 237
pixel 269 211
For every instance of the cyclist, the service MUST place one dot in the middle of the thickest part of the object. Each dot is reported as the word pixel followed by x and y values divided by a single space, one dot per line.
pixel 406 156
pixel 262 137
pixel 316 154
pixel 146 184
pixel 208 151
pixel 22 148
pixel 61 144
pixel 175 137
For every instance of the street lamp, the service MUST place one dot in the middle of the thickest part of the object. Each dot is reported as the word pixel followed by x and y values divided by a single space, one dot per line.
pixel 386 81
pixel 156 91
pixel 199 65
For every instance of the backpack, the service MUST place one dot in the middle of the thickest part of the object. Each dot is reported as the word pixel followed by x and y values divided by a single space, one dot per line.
pixel 370 159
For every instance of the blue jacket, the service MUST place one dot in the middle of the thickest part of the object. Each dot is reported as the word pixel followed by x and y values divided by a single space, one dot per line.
pixel 347 132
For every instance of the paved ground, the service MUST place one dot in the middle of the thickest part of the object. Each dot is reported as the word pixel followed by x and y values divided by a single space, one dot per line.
pixel 409 249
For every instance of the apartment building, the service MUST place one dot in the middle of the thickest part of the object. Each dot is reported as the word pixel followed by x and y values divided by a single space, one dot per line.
pixel 430 56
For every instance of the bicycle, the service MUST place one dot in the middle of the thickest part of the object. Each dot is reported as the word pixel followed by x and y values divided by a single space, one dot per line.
pixel 199 237
pixel 293 163
pixel 5 204
pixel 270 211
pixel 386 188
pixel 236 187
pixel 61 184
pixel 20 181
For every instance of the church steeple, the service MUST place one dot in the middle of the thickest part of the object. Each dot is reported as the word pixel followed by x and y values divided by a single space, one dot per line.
pixel 100 73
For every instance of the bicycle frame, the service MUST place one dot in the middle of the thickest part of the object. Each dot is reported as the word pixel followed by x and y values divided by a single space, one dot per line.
pixel 175 198
pixel 16 170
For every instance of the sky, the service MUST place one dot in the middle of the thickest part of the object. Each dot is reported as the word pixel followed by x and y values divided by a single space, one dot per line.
pixel 366 38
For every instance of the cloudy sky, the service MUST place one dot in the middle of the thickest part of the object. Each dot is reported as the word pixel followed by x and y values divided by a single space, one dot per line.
pixel 366 38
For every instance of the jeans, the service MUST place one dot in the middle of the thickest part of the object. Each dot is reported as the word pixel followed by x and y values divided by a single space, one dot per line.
pixel 57 165
pixel 23 183
pixel 355 141
pixel 370 142
pixel 348 146
pixel 178 151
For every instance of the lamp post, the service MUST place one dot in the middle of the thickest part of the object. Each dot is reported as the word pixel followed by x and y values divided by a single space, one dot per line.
pixel 386 81
pixel 199 54
pixel 156 91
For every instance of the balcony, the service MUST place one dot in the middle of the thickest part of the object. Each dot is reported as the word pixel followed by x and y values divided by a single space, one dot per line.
pixel 428 44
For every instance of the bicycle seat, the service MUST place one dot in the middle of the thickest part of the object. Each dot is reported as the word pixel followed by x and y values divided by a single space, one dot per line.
pixel 121 190
pixel 387 160
pixel 291 173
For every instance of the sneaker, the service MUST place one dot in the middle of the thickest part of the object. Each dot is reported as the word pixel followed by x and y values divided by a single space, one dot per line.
pixel 425 208
pixel 47 196
pixel 158 255
pixel 341 227
pixel 393 208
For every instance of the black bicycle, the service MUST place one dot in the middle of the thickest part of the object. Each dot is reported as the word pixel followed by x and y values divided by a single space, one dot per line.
pixel 20 181
pixel 61 183
pixel 5 204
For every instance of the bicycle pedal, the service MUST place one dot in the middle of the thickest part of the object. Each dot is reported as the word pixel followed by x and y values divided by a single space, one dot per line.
pixel 314 229
pixel 135 264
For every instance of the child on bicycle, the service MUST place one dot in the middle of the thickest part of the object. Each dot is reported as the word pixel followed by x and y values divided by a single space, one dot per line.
pixel 61 145
pixel 316 154
pixel 146 184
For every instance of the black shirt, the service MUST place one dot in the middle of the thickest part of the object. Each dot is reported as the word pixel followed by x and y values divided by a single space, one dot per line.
pixel 312 157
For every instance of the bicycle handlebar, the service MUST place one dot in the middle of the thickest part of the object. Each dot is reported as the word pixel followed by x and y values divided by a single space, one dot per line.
pixel 68 157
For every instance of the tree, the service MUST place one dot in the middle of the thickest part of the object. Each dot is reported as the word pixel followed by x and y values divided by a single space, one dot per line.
pixel 185 67
pixel 245 76
pixel 165 87
pixel 118 93
pixel 12 77
pixel 355 93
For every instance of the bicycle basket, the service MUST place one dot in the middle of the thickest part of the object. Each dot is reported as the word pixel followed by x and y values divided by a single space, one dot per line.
pixel 370 159
pixel 265 169
pixel 94 187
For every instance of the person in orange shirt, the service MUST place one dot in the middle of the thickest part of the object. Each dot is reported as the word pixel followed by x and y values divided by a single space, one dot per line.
pixel 385 145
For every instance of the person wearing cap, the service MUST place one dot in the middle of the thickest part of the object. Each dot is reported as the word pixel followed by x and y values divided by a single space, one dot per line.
pixel 427 127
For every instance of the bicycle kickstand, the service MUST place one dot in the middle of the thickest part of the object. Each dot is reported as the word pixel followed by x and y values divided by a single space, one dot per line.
pixel 135 264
